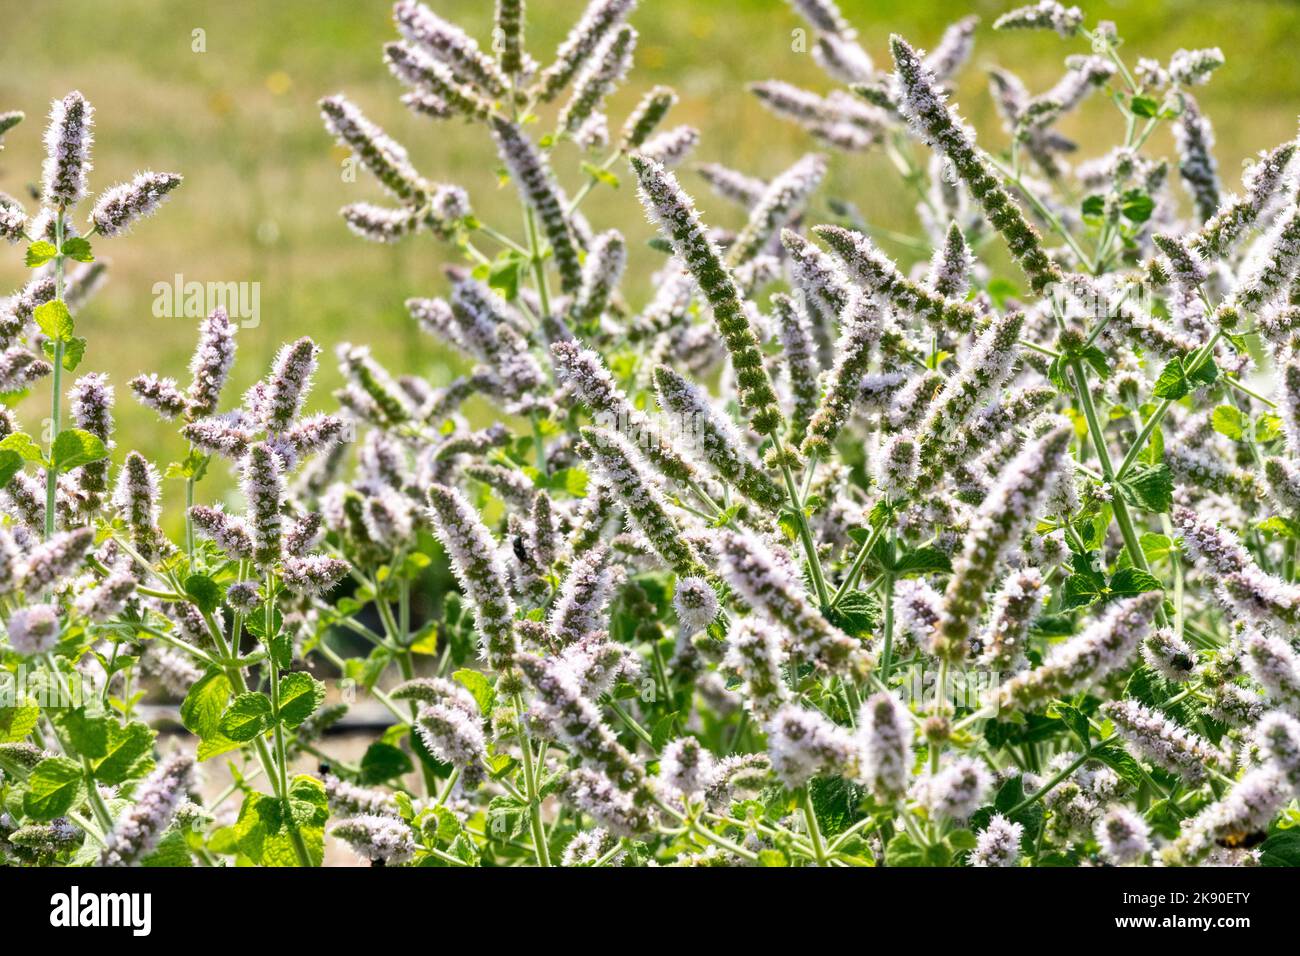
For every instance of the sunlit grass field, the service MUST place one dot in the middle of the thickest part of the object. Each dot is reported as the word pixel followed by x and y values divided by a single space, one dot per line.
pixel 264 182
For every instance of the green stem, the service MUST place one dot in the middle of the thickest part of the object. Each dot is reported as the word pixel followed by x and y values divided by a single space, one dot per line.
pixel 805 531
pixel 814 831
pixel 530 788
pixel 1060 775
pixel 56 405
pixel 859 562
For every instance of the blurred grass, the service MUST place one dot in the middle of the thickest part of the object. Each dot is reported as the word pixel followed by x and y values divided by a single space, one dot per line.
pixel 263 181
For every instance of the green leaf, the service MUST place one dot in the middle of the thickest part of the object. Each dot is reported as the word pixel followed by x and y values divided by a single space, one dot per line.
pixel 264 831
pixel 128 751
pixel 1155 546
pixel 1080 590
pixel 601 175
pixel 204 592
pixel 662 731
pixel 961 840
pixel 1136 206
pixel 1073 718
pixel 772 858
pixel 87 734
pixel 22 444
pixel 857 613
pixel 74 350
pixel 1276 524
pixel 10 464
pixel 54 319
pixel 1130 581
pixel 1175 380
pixel 1093 207
pixel 256 625
pixel 504 277
pixel 1119 760
pixel 171 851
pixel 1268 428
pixel 246 717
pixel 201 714
pixel 1228 421
pixel 74 448
pixel 1144 106
pixel 78 248
pixel 383 762
pixel 54 786
pixel 17 721
pixel 835 802
pixel 1281 849
pixel 1172 382
pixel 485 695
pixel 903 852
pixel 300 695
pixel 923 561
pixel 1150 488
pixel 194 466
pixel 39 253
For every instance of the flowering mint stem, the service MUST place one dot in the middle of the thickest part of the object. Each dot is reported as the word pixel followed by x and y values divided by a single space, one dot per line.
pixel 1162 409
pixel 1122 517
pixel 859 562
pixel 887 650
pixel 236 677
pixel 814 831
pixel 801 520
pixel 51 474
pixel 1060 775
pixel 540 848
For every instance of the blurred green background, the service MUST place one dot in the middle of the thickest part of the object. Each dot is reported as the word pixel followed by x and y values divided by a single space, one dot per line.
pixel 264 181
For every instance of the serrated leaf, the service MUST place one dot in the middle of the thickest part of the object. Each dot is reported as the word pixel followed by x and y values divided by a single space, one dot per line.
pixel 39 253
pixel 923 561
pixel 54 319
pixel 1268 428
pixel 601 175
pixel 1119 760
pixel 1281 849
pixel 1150 488
pixel 504 277
pixel 129 747
pixel 247 716
pixel 857 613
pixel 662 731
pixel 17 721
pixel 1073 718
pixel 485 695
pixel 204 592
pixel 74 350
pixel 1144 106
pixel 22 444
pixel 78 248
pixel 86 734
pixel 76 447
pixel 1130 581
pixel 1079 590
pixel 1136 206
pixel 53 787
pixel 1228 421
pixel 10 464
pixel 264 831
pixel 300 695
pixel 383 762
pixel 1155 546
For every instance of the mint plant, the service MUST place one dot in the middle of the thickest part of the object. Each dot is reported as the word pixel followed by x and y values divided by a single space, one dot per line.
pixel 981 554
